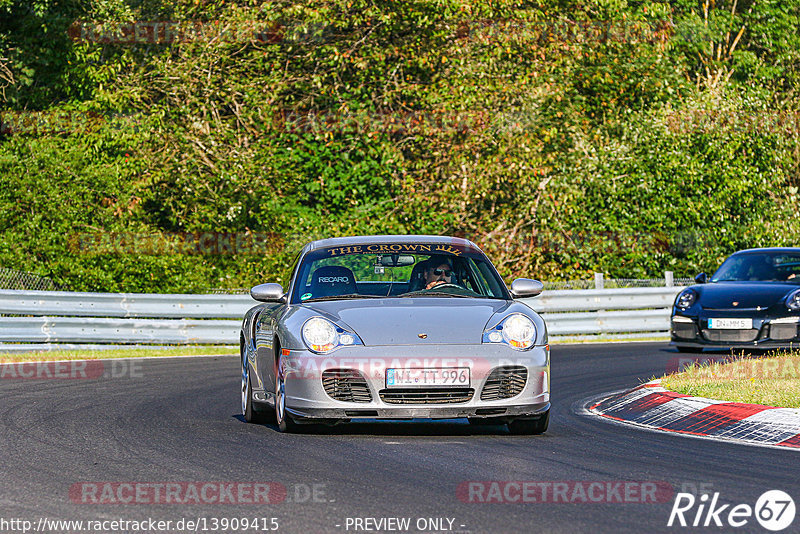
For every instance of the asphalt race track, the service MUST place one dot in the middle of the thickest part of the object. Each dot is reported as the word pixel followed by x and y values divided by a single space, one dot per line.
pixel 177 420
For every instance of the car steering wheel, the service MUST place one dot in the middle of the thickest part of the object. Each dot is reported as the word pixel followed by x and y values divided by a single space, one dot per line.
pixel 445 284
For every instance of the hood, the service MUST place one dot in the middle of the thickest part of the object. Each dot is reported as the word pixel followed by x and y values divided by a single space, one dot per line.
pixel 722 295
pixel 401 321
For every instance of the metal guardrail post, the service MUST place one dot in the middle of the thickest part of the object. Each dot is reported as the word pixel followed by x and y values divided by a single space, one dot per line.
pixel 598 280
pixel 669 280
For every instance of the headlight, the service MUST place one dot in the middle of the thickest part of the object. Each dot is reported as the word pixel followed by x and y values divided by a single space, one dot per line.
pixel 321 335
pixel 793 301
pixel 686 299
pixel 516 330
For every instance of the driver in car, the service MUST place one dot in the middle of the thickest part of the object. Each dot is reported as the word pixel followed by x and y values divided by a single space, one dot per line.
pixel 438 272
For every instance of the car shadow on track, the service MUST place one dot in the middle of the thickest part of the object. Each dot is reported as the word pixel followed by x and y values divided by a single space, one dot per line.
pixel 411 428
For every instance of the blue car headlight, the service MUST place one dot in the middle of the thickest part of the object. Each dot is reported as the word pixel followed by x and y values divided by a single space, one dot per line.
pixel 793 301
pixel 686 299
pixel 516 331
pixel 322 336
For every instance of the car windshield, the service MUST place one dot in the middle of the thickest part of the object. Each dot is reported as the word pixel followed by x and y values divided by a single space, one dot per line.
pixel 396 270
pixel 760 267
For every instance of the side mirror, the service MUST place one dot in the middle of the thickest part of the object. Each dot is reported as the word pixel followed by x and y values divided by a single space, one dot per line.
pixel 524 287
pixel 268 293
pixel 701 278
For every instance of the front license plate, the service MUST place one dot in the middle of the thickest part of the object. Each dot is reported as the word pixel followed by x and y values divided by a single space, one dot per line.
pixel 730 324
pixel 445 376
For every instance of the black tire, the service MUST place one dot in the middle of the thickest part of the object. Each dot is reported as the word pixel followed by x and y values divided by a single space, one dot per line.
pixel 287 425
pixel 251 415
pixel 284 421
pixel 530 426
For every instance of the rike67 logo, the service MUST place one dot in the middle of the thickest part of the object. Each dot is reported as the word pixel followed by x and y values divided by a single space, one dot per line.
pixel 774 511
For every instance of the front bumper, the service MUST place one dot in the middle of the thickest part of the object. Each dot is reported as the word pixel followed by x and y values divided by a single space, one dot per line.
pixel 429 412
pixel 307 398
pixel 767 331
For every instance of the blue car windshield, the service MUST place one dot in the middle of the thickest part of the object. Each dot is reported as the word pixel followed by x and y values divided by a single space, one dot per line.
pixel 760 267
pixel 396 270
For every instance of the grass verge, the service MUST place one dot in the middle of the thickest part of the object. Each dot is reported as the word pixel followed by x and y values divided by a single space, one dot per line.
pixel 141 352
pixel 772 379
pixel 573 340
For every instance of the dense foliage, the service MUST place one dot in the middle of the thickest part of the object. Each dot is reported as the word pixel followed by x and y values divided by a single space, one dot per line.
pixel 563 136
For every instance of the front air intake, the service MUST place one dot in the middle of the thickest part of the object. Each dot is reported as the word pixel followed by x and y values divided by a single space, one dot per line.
pixel 731 336
pixel 426 396
pixel 504 383
pixel 346 385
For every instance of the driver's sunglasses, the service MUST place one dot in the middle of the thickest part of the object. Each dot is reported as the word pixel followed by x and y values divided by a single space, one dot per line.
pixel 440 272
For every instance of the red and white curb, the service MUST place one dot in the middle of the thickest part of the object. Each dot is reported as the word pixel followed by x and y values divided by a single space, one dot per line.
pixel 652 406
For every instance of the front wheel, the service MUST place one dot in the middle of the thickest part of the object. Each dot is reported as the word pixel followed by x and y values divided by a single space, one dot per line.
pixel 282 417
pixel 248 411
pixel 530 426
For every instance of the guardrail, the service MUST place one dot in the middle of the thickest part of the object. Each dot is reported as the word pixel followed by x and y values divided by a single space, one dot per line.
pixel 606 311
pixel 65 303
pixel 50 317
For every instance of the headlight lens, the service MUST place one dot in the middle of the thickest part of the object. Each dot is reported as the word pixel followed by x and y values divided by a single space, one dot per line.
pixel 322 336
pixel 686 299
pixel 793 301
pixel 516 330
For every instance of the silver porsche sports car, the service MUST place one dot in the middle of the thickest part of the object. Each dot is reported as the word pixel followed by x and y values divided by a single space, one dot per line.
pixel 395 327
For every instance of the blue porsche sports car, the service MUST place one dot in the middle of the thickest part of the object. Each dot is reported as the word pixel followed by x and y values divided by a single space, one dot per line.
pixel 753 300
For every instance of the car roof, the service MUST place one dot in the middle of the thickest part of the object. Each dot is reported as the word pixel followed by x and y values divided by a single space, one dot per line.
pixel 784 250
pixel 378 239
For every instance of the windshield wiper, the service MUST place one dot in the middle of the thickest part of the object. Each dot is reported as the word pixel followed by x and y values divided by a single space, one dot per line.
pixel 342 297
pixel 435 294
